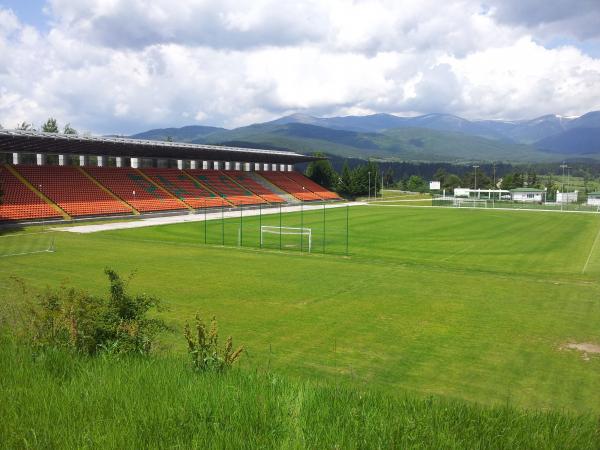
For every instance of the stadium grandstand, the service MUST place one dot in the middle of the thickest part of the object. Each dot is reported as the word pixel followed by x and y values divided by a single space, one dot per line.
pixel 49 176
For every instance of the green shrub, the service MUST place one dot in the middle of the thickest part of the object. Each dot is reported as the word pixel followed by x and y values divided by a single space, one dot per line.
pixel 75 319
pixel 203 348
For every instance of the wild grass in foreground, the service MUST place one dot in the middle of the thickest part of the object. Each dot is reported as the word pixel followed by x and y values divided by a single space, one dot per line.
pixel 56 399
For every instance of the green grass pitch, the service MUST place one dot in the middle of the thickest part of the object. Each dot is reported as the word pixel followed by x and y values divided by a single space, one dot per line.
pixel 467 304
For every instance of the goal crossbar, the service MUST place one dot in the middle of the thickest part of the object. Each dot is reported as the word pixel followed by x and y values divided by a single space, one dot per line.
pixel 269 229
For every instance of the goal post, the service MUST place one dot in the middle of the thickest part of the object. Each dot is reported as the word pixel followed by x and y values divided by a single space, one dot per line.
pixel 470 203
pixel 287 231
pixel 18 244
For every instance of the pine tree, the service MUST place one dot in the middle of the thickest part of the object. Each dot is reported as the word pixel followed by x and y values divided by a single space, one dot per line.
pixel 50 126
pixel 322 173
pixel 68 129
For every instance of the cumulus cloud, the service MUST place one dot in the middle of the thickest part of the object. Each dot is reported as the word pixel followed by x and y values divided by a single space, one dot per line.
pixel 124 66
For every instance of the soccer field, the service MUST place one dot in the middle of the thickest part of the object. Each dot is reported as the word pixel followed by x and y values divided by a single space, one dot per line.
pixel 470 304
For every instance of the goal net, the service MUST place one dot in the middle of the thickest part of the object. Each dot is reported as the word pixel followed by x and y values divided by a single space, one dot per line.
pixel 286 237
pixel 26 244
pixel 470 203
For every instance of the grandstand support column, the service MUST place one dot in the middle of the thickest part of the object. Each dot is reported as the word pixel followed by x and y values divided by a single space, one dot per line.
pixel 246 167
pixel 100 161
pixel 82 160
pixel 266 167
pixel 204 165
pixel 216 165
pixel 119 161
pixel 134 163
pixel 40 159
pixel 282 167
pixel 227 165
pixel 290 167
pixel 193 164
pixel 61 160
pixel 180 164
pixel 274 167
pixel 16 158
pixel 238 166
pixel 256 167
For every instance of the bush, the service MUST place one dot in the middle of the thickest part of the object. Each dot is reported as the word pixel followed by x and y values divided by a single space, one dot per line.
pixel 88 324
pixel 204 348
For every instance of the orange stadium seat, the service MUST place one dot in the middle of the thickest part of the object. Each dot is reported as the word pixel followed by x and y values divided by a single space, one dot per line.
pixel 287 184
pixel 129 185
pixel 185 188
pixel 250 184
pixel 224 186
pixel 21 203
pixel 70 189
pixel 310 184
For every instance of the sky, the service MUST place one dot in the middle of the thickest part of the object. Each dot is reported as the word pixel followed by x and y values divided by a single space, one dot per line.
pixel 124 66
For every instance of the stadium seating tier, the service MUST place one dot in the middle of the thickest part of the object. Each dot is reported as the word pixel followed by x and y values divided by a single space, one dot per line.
pixel 131 186
pixel 225 187
pixel 301 192
pixel 21 203
pixel 70 189
pixel 184 187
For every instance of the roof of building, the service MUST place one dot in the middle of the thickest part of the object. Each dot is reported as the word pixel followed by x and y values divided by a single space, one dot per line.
pixel 526 190
pixel 76 144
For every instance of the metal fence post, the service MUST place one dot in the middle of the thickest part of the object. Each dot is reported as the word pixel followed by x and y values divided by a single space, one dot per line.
pixel 323 227
pixel 301 226
pixel 260 226
pixel 347 226
pixel 280 226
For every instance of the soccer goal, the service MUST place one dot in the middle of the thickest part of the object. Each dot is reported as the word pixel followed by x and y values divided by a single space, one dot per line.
pixel 280 232
pixel 470 203
pixel 26 244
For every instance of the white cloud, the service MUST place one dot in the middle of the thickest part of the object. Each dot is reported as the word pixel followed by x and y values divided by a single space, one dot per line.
pixel 123 66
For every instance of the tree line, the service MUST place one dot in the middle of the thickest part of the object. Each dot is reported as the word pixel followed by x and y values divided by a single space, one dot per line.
pixel 355 179
pixel 49 126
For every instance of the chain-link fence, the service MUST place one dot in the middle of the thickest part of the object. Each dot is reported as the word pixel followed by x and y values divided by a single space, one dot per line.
pixel 463 202
pixel 311 228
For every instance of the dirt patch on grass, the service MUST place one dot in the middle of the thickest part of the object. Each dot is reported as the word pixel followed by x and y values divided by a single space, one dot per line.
pixel 585 347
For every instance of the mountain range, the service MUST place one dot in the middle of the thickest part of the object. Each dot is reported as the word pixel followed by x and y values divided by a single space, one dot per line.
pixel 430 137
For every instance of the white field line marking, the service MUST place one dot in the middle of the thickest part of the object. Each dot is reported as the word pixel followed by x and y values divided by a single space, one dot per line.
pixel 25 234
pixel 462 250
pixel 587 261
pixel 400 200
pixel 470 208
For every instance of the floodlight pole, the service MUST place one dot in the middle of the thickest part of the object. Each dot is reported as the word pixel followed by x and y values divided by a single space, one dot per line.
pixel 475 167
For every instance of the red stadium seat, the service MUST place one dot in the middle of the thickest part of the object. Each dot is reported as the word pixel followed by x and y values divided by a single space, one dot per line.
pixel 310 184
pixel 224 186
pixel 185 188
pixel 131 186
pixel 250 184
pixel 287 184
pixel 21 203
pixel 70 189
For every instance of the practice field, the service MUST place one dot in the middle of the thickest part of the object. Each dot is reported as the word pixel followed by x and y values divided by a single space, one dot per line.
pixel 471 304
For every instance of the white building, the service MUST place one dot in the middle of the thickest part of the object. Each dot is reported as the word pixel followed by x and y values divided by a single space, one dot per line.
pixel 530 195
pixel 566 197
pixel 593 198
pixel 481 194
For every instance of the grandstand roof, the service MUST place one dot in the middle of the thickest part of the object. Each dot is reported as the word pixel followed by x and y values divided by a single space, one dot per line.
pixel 55 143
